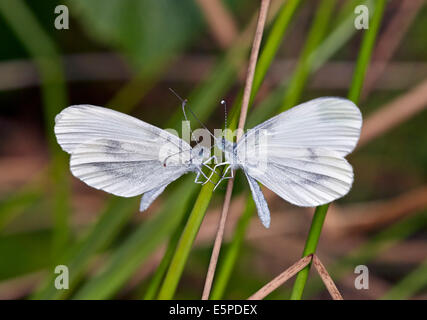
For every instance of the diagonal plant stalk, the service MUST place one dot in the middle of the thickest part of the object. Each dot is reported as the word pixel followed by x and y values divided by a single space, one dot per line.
pixel 293 270
pixel 223 70
pixel 381 242
pixel 156 279
pixel 118 211
pixel 302 70
pixel 190 231
pixel 326 278
pixel 54 94
pixel 268 53
pixel 312 58
pixel 129 256
pixel 410 285
pixel 186 240
pixel 204 99
pixel 231 253
pixel 354 95
pixel 280 25
pixel 281 278
pixel 243 114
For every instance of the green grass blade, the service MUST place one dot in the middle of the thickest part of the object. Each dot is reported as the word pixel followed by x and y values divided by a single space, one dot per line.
pixel 185 243
pixel 24 252
pixel 268 52
pixel 203 99
pixel 273 42
pixel 310 247
pixel 196 217
pixel 377 244
pixel 116 214
pixel 227 263
pixel 47 59
pixel 318 57
pixel 410 285
pixel 312 51
pixel 157 278
pixel 126 259
pixel 316 34
pixel 18 202
pixel 365 53
pixel 354 94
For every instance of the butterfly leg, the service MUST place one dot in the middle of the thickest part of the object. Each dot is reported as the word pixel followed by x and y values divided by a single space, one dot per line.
pixel 197 177
pixel 200 172
pixel 224 177
pixel 205 163
pixel 216 166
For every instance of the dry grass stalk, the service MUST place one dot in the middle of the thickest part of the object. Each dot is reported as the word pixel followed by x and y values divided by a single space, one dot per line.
pixel 326 278
pixel 243 113
pixel 293 270
pixel 218 241
pixel 281 278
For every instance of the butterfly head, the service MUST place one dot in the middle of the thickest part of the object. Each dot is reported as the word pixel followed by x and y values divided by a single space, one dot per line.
pixel 225 145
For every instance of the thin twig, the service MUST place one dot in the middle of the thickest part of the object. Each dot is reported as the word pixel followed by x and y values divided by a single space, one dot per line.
pixel 243 113
pixel 294 269
pixel 252 64
pixel 281 278
pixel 218 241
pixel 326 278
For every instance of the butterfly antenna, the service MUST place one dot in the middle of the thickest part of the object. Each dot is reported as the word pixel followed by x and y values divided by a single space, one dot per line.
pixel 184 105
pixel 225 113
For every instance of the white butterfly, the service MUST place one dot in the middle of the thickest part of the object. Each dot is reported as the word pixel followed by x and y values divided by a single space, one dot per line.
pixel 125 156
pixel 300 157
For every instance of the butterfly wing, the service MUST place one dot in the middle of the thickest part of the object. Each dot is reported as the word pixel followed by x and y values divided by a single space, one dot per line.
pixel 117 153
pixel 299 154
pixel 149 197
pixel 260 202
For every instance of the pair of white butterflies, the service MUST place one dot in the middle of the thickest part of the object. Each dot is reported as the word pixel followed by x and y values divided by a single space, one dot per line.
pixel 302 157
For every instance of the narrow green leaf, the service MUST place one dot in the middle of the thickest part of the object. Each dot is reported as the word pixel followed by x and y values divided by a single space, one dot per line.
pixel 312 52
pixel 157 278
pixel 176 268
pixel 366 252
pixel 354 93
pixel 410 285
pixel 47 59
pixel 227 262
pixel 138 246
pixel 116 213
